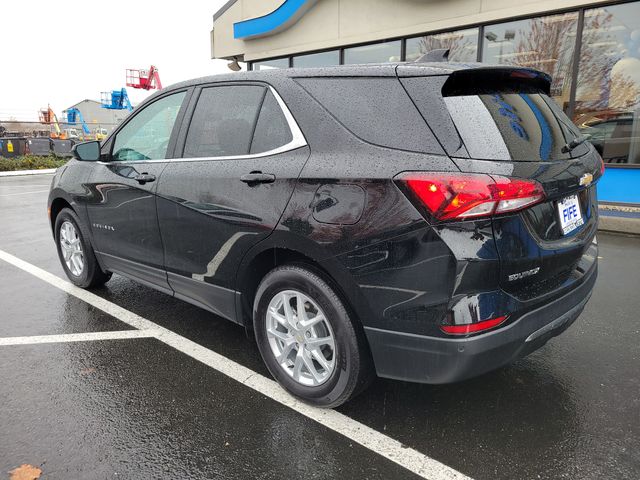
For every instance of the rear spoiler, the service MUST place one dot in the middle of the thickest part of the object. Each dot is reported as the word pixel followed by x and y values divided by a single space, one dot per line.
pixel 487 80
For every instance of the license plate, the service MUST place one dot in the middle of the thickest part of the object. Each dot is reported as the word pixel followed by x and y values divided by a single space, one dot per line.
pixel 570 214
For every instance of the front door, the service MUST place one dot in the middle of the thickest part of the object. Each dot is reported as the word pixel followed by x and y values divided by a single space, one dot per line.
pixel 121 206
pixel 241 158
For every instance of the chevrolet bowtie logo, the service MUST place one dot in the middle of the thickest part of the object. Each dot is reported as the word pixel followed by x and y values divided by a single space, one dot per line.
pixel 586 179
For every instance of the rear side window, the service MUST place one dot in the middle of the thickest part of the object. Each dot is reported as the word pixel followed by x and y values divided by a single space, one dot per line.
pixel 425 92
pixel 377 110
pixel 272 130
pixel 223 121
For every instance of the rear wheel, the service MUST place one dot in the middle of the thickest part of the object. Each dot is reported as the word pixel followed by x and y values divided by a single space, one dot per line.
pixel 76 253
pixel 307 338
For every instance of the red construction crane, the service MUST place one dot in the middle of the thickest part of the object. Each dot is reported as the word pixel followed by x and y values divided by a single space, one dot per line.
pixel 47 116
pixel 145 79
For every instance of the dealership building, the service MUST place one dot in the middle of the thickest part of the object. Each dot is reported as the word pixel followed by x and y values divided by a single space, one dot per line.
pixel 590 48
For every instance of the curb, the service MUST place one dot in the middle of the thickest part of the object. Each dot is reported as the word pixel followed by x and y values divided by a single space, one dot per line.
pixel 619 218
pixel 619 225
pixel 18 173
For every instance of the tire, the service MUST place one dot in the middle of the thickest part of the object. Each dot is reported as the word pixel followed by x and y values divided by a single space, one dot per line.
pixel 347 367
pixel 90 275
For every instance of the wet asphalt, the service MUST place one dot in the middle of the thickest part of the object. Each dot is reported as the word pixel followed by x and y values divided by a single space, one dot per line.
pixel 137 408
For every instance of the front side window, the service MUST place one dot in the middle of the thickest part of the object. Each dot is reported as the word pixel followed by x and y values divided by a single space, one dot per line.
pixel 223 121
pixel 146 136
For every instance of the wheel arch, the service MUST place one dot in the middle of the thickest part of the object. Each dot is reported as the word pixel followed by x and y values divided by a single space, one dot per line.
pixel 271 254
pixel 58 200
pixel 56 205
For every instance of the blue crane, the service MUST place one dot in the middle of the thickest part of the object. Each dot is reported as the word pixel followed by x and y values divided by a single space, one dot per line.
pixel 73 115
pixel 116 100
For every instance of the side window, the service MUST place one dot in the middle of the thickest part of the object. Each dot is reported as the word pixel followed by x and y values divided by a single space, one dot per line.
pixel 223 121
pixel 377 110
pixel 146 136
pixel 272 130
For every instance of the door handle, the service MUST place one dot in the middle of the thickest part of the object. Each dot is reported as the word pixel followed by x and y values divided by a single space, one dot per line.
pixel 254 178
pixel 144 178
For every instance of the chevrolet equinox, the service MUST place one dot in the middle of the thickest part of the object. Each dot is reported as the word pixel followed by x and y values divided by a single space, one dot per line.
pixel 422 222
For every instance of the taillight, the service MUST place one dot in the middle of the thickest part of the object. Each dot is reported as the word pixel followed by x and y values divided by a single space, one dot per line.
pixel 469 195
pixel 473 327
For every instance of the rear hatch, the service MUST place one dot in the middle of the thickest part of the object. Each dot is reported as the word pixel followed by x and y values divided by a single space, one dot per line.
pixel 501 121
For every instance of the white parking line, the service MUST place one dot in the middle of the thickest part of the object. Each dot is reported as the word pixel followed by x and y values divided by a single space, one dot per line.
pixel 391 449
pixel 19 185
pixel 77 337
pixel 17 173
pixel 22 193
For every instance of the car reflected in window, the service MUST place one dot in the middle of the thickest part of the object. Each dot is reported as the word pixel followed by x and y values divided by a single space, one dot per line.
pixel 612 137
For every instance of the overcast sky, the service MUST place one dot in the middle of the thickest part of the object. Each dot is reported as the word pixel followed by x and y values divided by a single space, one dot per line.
pixel 60 53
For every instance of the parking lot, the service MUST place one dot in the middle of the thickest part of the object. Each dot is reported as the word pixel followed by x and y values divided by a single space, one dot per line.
pixel 126 382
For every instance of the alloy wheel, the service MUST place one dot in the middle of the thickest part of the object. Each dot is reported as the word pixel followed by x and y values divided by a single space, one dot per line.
pixel 301 338
pixel 71 248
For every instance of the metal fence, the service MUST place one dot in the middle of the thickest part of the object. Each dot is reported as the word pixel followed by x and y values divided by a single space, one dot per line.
pixel 68 131
pixel 36 138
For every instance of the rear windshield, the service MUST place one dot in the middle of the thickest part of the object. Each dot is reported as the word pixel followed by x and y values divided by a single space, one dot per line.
pixel 511 126
pixel 500 121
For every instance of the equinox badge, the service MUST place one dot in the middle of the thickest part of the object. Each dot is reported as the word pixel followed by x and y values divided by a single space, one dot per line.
pixel 525 274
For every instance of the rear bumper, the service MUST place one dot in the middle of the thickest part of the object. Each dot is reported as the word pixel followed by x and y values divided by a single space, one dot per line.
pixel 418 358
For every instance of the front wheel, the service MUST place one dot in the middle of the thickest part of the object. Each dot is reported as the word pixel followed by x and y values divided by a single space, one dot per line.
pixel 307 338
pixel 76 253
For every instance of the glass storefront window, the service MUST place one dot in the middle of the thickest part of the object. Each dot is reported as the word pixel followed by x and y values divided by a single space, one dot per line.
pixel 268 64
pixel 544 43
pixel 375 53
pixel 607 109
pixel 321 59
pixel 462 45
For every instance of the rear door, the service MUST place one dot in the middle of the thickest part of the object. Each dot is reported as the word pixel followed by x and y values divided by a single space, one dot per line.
pixel 501 121
pixel 241 154
pixel 122 204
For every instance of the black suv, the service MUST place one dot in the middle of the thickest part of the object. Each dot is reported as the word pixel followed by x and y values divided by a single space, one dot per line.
pixel 426 222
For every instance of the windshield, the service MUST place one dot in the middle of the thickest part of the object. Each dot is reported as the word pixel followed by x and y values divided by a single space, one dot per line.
pixel 525 126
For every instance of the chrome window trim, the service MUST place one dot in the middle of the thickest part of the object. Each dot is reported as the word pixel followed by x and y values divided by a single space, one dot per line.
pixel 297 141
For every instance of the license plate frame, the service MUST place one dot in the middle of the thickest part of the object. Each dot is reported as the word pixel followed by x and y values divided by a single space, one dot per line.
pixel 569 214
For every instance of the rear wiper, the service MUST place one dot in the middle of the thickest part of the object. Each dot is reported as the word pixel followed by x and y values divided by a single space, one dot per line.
pixel 573 144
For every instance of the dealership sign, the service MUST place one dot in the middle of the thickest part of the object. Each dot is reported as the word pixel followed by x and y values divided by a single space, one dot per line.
pixel 280 19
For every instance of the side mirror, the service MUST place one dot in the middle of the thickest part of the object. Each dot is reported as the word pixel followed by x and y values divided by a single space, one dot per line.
pixel 87 151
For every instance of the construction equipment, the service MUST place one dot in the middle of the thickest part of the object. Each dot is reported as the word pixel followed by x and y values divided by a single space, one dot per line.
pixel 100 133
pixel 144 79
pixel 116 100
pixel 73 115
pixel 135 78
pixel 47 116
